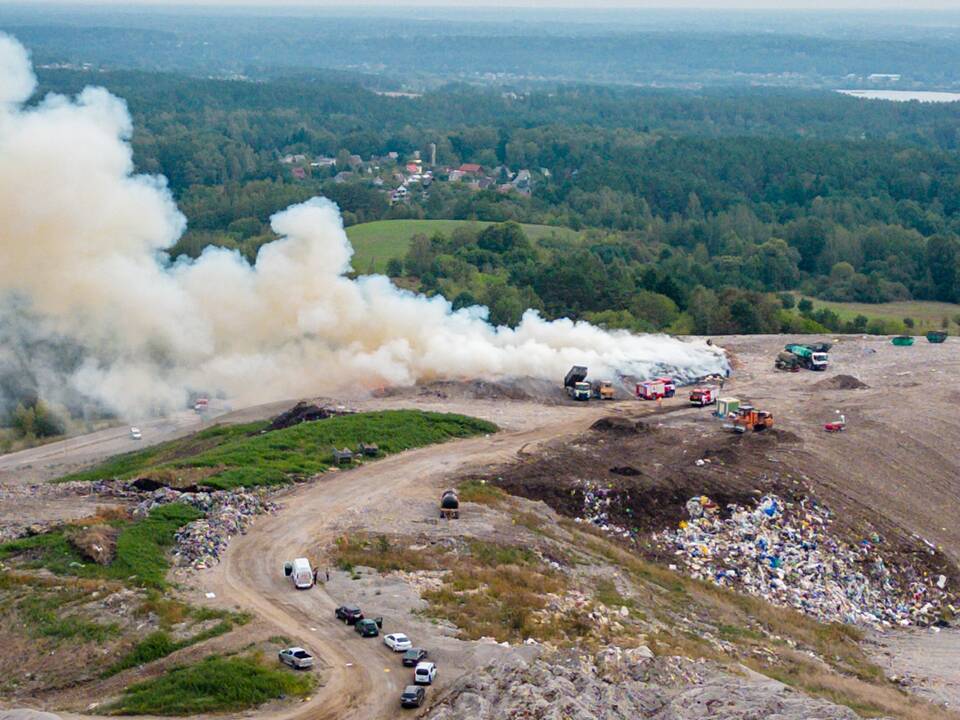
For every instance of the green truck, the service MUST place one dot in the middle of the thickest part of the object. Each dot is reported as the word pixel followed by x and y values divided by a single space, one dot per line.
pixel 812 357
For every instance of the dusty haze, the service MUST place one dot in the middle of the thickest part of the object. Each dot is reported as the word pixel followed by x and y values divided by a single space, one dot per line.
pixel 83 241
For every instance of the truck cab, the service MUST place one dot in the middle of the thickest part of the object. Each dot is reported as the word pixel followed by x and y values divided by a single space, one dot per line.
pixel 603 390
pixel 702 397
pixel 581 391
pixel 819 361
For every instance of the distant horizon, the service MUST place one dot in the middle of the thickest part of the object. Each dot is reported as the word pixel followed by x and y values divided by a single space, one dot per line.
pixel 808 6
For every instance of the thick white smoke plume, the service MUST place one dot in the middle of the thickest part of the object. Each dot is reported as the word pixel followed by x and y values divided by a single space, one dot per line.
pixel 83 241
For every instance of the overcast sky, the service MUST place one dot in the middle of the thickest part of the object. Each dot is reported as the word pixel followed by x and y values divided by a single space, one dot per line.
pixel 826 5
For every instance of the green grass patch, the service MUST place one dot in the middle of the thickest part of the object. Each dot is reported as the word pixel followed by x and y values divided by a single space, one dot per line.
pixel 376 243
pixel 240 459
pixel 131 464
pixel 141 549
pixel 479 491
pixel 42 617
pixel 215 684
pixel 927 314
pixel 159 644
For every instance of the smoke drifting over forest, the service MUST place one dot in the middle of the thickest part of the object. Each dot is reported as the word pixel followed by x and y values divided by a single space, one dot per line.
pixel 91 301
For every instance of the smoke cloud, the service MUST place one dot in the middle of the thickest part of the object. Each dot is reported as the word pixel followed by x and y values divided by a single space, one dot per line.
pixel 83 243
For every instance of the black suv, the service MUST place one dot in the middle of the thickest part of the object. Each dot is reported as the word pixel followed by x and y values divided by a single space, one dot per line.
pixel 412 696
pixel 349 614
pixel 414 655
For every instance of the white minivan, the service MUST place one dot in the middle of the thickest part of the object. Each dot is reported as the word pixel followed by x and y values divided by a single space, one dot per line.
pixel 425 673
pixel 300 572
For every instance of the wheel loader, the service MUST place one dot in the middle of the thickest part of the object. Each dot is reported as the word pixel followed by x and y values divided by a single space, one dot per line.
pixel 749 418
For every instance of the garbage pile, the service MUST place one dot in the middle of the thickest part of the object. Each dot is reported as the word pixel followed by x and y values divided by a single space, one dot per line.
pixel 597 500
pixel 784 553
pixel 200 544
pixel 299 413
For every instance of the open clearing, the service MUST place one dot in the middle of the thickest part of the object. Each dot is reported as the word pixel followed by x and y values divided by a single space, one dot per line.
pixel 927 314
pixel 379 242
pixel 893 472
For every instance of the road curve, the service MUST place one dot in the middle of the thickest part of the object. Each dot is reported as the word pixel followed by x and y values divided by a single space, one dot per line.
pixel 250 574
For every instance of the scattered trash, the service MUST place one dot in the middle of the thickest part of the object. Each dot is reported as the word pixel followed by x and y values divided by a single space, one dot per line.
pixel 784 553
pixel 200 544
pixel 299 413
pixel 210 595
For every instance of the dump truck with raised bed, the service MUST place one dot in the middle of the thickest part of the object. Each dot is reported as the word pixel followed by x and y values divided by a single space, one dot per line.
pixel 575 385
pixel 810 356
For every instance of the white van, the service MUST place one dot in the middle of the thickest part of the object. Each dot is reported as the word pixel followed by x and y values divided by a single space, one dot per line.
pixel 300 572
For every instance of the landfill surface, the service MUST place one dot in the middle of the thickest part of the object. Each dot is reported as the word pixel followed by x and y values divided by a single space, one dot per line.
pixel 623 683
pixel 785 553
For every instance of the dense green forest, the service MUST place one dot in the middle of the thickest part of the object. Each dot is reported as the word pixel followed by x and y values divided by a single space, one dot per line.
pixel 689 201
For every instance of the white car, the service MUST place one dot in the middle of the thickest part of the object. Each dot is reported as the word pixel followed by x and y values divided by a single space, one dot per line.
pixel 424 673
pixel 398 642
pixel 296 657
pixel 135 433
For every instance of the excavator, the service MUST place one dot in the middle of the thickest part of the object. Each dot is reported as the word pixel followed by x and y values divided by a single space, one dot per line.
pixel 749 418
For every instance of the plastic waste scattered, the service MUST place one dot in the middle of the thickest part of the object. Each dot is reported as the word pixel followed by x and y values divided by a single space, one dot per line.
pixel 784 553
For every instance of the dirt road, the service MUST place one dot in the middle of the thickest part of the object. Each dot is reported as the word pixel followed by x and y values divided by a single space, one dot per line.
pixel 361 679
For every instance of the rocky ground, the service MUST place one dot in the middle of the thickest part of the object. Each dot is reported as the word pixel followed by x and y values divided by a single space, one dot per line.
pixel 619 683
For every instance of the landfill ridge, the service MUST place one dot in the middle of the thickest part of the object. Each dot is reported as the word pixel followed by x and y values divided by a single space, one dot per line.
pixel 785 553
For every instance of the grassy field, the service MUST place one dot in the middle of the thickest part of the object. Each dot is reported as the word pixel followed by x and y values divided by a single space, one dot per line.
pixel 140 556
pixel 159 644
pixel 215 684
pixel 225 457
pixel 378 242
pixel 926 314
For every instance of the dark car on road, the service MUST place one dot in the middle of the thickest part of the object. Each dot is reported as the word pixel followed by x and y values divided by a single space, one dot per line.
pixel 350 614
pixel 414 655
pixel 412 696
pixel 367 627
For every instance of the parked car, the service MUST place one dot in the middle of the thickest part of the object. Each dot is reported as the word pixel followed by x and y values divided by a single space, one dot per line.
pixel 367 627
pixel 135 433
pixel 413 656
pixel 398 642
pixel 412 696
pixel 296 657
pixel 350 614
pixel 424 673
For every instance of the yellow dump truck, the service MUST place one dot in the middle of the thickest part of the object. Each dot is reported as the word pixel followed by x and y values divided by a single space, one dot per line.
pixel 603 390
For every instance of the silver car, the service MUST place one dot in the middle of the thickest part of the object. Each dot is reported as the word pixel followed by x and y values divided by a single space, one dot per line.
pixel 297 658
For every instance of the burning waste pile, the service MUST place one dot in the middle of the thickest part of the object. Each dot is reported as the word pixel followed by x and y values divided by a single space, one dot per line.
pixel 85 241
pixel 200 544
pixel 784 553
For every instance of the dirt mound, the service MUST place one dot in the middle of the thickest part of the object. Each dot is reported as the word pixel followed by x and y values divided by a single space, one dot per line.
pixel 616 425
pixel 97 543
pixel 299 413
pixel 841 382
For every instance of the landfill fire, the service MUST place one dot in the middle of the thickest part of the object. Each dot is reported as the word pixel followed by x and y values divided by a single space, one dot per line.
pixel 84 245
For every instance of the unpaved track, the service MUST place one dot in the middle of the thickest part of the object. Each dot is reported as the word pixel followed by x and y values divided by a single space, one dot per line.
pixel 250 575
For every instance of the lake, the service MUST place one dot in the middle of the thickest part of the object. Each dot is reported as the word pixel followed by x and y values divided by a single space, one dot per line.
pixel 904 95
